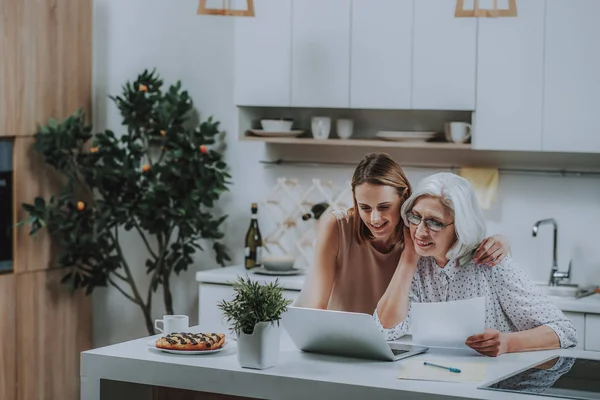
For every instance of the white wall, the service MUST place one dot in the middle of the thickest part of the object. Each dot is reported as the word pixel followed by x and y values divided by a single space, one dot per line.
pixel 131 35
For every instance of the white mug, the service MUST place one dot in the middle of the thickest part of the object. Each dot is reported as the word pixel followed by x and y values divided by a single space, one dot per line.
pixel 173 324
pixel 457 132
pixel 321 127
pixel 344 128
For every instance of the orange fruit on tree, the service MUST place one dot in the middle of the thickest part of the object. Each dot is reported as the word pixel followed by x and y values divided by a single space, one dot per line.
pixel 143 88
pixel 80 205
pixel 145 167
pixel 93 149
pixel 203 149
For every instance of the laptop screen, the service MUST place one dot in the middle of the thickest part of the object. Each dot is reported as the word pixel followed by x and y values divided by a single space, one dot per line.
pixel 565 377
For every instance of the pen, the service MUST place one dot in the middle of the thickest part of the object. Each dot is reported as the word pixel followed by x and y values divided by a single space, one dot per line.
pixel 441 366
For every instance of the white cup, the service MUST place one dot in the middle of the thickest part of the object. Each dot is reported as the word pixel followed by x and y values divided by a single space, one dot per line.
pixel 344 128
pixel 457 132
pixel 173 324
pixel 321 127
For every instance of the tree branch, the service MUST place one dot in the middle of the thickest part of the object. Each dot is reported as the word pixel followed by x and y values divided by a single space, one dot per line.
pixel 118 275
pixel 122 291
pixel 162 249
pixel 139 229
pixel 130 279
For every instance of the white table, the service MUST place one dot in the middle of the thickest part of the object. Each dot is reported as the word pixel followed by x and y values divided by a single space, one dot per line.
pixel 296 376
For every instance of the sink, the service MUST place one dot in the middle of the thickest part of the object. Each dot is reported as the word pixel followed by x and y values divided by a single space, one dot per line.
pixel 566 290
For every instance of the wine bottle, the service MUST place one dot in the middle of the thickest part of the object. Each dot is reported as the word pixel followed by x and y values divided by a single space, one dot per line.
pixel 316 211
pixel 253 245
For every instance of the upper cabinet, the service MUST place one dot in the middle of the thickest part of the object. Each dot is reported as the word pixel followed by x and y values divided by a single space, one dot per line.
pixel 321 53
pixel 381 63
pixel 572 87
pixel 263 55
pixel 510 80
pixel 444 57
pixel 45 62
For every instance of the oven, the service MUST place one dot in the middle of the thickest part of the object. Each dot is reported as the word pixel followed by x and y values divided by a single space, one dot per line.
pixel 6 206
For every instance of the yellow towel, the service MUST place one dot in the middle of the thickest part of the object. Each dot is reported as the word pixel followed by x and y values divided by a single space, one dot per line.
pixel 485 184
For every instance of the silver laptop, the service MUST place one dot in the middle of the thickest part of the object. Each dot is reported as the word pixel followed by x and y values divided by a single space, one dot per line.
pixel 342 333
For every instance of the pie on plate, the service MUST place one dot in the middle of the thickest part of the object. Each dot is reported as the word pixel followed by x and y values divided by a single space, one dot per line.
pixel 191 341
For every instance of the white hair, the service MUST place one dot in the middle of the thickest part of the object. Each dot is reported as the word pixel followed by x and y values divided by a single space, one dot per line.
pixel 457 194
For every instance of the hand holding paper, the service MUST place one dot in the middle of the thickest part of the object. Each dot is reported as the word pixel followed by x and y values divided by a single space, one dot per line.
pixel 448 323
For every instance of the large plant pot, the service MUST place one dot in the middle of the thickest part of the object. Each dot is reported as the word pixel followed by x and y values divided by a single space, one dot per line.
pixel 260 349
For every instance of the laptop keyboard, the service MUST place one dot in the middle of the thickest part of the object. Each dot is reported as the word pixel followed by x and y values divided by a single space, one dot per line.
pixel 398 351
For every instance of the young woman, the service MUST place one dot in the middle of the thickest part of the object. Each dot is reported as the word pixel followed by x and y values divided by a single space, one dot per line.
pixel 445 226
pixel 358 250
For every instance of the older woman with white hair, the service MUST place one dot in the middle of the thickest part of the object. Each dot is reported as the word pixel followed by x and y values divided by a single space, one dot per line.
pixel 446 224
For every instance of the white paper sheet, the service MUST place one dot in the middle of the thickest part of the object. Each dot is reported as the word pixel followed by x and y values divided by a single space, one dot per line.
pixel 447 323
pixel 470 370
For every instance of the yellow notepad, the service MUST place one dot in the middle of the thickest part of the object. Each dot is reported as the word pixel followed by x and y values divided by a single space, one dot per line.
pixel 471 371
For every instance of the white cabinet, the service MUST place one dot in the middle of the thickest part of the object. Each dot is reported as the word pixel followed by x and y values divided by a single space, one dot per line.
pixel 263 58
pixel 572 87
pixel 578 320
pixel 510 80
pixel 444 57
pixel 321 53
pixel 381 63
pixel 210 317
pixel 592 332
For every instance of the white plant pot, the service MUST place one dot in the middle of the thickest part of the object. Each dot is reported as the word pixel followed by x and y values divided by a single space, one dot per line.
pixel 260 349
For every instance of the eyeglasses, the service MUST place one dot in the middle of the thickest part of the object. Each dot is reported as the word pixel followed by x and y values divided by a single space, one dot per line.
pixel 429 223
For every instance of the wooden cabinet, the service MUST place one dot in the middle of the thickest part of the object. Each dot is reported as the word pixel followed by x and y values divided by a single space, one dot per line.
pixel 210 318
pixel 8 337
pixel 321 53
pixel 45 62
pixel 572 62
pixel 444 57
pixel 263 59
pixel 381 61
pixel 54 327
pixel 510 80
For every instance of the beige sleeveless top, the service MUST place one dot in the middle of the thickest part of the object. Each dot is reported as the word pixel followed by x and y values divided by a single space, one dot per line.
pixel 362 273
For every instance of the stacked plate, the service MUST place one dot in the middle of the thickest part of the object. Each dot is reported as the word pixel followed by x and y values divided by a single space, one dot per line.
pixel 403 136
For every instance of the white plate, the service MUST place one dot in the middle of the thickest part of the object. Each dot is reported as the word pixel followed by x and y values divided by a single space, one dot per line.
pixel 152 344
pixel 404 136
pixel 260 132
pixel 263 271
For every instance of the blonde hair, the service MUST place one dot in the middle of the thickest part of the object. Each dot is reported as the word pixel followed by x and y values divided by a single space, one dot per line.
pixel 378 169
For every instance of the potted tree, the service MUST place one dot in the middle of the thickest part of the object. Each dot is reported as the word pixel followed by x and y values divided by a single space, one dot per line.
pixel 254 315
pixel 160 178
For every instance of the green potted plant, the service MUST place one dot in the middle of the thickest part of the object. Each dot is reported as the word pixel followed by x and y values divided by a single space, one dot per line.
pixel 254 314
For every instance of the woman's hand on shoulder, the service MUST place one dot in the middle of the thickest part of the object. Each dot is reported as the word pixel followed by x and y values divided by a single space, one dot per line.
pixel 492 250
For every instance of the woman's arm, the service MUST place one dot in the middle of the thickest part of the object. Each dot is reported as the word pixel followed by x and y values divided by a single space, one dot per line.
pixel 540 323
pixel 319 281
pixel 393 309
pixel 493 343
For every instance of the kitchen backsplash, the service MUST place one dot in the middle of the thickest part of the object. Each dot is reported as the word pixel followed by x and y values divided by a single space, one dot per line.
pixel 521 201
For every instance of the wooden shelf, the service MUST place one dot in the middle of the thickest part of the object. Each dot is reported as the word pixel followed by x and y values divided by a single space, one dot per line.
pixel 357 143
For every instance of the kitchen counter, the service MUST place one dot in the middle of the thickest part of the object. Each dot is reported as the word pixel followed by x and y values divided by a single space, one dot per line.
pixel 229 274
pixel 297 375
pixel 589 304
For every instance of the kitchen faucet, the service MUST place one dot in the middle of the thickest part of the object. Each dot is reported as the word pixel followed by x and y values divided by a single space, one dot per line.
pixel 555 275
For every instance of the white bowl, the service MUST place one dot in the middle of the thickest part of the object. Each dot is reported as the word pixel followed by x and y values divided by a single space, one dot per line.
pixel 278 263
pixel 276 125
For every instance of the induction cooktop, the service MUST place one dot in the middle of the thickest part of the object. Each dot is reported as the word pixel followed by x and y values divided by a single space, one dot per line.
pixel 558 376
